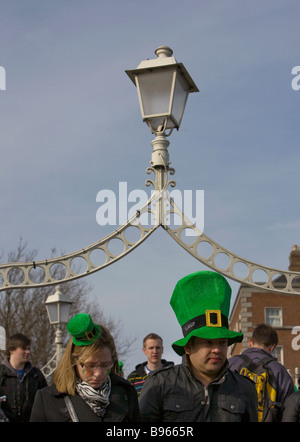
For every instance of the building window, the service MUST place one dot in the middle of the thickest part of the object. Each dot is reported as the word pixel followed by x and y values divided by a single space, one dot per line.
pixel 273 316
pixel 278 354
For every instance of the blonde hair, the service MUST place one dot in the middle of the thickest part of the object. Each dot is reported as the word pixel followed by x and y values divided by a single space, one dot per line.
pixel 65 375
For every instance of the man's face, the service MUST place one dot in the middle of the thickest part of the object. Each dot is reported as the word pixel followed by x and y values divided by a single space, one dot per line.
pixel 153 349
pixel 20 355
pixel 207 357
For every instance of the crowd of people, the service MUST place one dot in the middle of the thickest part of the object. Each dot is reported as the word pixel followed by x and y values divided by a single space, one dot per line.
pixel 89 385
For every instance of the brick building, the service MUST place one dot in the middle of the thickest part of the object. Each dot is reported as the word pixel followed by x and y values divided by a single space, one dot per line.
pixel 281 311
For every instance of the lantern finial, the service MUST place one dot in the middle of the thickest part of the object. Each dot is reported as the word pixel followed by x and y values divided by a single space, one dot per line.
pixel 163 51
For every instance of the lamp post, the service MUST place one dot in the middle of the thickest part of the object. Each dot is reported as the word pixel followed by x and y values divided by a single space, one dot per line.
pixel 163 87
pixel 58 308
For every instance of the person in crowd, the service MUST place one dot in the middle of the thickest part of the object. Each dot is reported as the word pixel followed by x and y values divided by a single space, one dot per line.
pixel 291 408
pixel 201 388
pixel 19 380
pixel 153 350
pixel 261 345
pixel 86 386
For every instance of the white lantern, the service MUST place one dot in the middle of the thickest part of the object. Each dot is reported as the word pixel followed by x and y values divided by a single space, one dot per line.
pixel 58 307
pixel 163 86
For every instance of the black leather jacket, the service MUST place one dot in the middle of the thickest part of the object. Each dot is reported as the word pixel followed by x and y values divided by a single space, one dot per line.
pixel 174 394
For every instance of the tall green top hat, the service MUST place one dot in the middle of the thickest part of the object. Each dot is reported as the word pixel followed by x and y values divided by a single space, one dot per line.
pixel 201 303
pixel 83 330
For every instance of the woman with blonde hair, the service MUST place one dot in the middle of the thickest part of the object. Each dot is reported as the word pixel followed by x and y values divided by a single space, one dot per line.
pixel 86 386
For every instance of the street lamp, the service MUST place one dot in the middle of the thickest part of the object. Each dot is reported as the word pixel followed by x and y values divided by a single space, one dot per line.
pixel 58 308
pixel 163 87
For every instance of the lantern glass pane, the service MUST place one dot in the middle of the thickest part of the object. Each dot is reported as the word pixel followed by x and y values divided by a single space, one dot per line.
pixel 155 90
pixel 64 312
pixel 180 97
pixel 52 313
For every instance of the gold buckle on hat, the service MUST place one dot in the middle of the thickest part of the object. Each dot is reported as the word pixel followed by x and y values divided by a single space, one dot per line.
pixel 89 335
pixel 208 318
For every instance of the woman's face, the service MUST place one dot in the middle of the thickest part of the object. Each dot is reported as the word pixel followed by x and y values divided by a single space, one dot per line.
pixel 96 368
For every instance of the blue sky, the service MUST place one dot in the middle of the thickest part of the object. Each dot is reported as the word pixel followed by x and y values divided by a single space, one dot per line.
pixel 70 126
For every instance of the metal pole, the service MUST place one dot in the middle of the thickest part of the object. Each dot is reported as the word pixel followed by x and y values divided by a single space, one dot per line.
pixel 59 344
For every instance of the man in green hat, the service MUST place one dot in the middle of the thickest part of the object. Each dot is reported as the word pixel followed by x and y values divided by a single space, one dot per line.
pixel 201 388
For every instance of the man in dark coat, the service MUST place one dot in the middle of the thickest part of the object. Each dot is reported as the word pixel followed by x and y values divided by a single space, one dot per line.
pixel 19 380
pixel 201 389
pixel 263 341
pixel 153 350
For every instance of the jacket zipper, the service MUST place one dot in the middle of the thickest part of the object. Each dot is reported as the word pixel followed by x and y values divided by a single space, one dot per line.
pixel 206 395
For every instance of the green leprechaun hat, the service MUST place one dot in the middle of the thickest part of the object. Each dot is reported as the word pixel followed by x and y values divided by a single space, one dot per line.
pixel 83 330
pixel 201 303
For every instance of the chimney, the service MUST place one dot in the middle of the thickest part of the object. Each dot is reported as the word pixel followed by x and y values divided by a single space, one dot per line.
pixel 295 259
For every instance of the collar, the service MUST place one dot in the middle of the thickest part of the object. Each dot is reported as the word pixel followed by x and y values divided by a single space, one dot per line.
pixel 8 365
pixel 218 380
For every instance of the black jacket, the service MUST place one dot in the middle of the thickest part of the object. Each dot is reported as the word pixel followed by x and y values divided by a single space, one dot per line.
pixel 49 405
pixel 20 395
pixel 291 409
pixel 174 394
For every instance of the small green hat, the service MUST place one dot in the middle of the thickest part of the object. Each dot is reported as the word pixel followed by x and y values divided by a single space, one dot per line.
pixel 201 303
pixel 83 330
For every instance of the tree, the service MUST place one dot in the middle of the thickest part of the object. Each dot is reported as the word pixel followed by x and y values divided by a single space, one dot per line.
pixel 23 311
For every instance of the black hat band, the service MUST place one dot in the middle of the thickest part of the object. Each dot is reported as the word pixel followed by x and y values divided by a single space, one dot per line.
pixel 89 336
pixel 212 318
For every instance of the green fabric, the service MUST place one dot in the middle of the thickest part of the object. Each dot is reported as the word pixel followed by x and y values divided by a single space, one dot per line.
pixel 194 295
pixel 83 330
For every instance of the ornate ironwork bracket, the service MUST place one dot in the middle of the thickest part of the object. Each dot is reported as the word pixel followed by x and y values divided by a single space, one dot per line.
pixel 160 206
pixel 221 260
pixel 50 367
pixel 92 259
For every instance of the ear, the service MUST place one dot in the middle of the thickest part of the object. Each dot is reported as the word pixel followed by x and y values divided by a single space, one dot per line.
pixel 271 348
pixel 187 349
